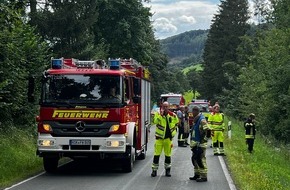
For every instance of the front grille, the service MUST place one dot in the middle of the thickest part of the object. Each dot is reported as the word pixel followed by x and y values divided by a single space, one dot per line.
pixel 95 147
pixel 91 129
pixel 80 147
pixel 65 147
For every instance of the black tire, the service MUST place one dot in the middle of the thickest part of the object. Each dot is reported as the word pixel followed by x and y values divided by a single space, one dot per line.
pixel 50 164
pixel 128 162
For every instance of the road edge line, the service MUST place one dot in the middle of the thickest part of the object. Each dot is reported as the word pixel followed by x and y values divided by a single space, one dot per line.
pixel 31 178
pixel 227 174
pixel 24 181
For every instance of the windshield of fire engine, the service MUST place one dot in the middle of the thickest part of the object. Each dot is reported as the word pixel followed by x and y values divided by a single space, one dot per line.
pixel 84 89
pixel 171 100
pixel 203 107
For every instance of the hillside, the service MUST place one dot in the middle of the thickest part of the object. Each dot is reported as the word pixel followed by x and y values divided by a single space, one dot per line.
pixel 185 48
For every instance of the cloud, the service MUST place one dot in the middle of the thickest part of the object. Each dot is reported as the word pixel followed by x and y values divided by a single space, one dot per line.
pixel 187 19
pixel 171 17
pixel 164 25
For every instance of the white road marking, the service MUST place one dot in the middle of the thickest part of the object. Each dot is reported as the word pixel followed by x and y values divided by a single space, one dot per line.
pixel 227 174
pixel 24 181
pixel 31 178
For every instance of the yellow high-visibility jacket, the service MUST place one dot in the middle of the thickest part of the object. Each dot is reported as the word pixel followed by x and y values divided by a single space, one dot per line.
pixel 216 121
pixel 160 122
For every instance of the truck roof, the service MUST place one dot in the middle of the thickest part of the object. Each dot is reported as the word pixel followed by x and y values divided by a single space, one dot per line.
pixel 73 71
pixel 171 94
pixel 117 67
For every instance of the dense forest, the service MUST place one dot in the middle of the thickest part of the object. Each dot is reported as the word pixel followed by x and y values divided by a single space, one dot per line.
pixel 185 49
pixel 185 44
pixel 245 65
pixel 247 68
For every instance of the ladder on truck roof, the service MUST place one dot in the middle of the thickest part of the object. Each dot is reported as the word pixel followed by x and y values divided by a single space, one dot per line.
pixel 75 63
pixel 130 64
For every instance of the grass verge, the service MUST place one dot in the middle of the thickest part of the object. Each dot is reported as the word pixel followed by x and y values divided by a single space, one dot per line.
pixel 268 167
pixel 17 156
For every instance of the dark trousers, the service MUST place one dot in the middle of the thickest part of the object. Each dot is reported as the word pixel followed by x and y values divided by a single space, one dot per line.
pixel 181 135
pixel 167 162
pixel 250 143
pixel 198 160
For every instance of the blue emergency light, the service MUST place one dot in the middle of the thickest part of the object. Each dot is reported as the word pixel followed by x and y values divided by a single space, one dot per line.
pixel 56 63
pixel 114 64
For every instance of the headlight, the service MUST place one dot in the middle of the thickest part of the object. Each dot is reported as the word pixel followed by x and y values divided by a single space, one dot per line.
pixel 46 142
pixel 115 143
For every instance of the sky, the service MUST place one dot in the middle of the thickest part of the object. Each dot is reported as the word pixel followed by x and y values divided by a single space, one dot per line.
pixel 172 17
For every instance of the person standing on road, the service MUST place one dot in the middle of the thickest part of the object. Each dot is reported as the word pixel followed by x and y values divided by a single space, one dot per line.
pixel 166 122
pixel 250 130
pixel 186 125
pixel 217 126
pixel 198 145
pixel 181 116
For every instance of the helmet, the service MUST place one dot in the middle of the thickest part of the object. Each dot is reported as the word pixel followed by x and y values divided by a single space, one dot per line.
pixel 252 115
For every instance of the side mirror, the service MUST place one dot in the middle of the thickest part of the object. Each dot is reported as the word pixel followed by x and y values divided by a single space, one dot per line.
pixel 31 88
pixel 136 99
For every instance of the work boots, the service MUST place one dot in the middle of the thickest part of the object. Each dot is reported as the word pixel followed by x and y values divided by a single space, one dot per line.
pixel 181 144
pixel 194 177
pixel 154 173
pixel 201 179
pixel 167 172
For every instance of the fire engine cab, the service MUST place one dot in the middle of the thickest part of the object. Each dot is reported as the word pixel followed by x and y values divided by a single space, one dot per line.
pixel 203 107
pixel 174 100
pixel 94 109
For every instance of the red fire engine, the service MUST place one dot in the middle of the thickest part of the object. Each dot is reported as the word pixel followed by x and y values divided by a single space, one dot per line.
pixel 91 109
pixel 175 100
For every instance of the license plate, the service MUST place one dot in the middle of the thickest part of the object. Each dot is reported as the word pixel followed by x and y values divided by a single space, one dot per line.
pixel 79 142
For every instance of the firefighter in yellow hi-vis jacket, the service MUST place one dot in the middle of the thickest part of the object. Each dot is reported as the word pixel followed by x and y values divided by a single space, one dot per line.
pixel 217 126
pixel 166 122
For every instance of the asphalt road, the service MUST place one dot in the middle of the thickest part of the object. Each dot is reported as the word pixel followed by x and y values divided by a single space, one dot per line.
pixel 92 175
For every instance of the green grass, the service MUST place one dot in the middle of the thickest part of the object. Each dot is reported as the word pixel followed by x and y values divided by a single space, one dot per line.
pixel 17 156
pixel 268 167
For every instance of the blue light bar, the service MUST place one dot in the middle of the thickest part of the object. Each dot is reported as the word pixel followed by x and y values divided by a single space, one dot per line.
pixel 56 63
pixel 114 64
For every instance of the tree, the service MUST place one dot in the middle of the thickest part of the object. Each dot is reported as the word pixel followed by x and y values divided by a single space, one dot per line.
pixel 265 84
pixel 261 10
pixel 125 27
pixel 99 30
pixel 22 53
pixel 66 25
pixel 281 13
pixel 262 75
pixel 223 39
pixel 194 79
pixel 125 30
